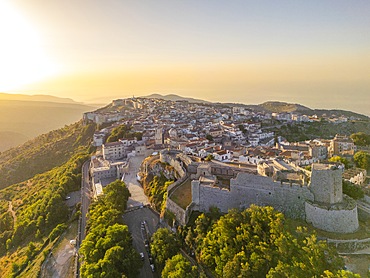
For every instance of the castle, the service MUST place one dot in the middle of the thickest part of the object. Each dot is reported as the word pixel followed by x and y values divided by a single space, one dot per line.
pixel 315 196
pixel 321 202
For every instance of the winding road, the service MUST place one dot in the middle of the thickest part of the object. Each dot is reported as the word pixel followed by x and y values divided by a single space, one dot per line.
pixel 85 202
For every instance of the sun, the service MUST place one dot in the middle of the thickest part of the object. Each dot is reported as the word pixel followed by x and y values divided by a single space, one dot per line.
pixel 23 58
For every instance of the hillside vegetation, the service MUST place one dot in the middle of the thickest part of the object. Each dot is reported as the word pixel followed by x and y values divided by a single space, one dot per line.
pixel 43 153
pixel 33 214
pixel 279 107
pixel 107 250
pixel 256 243
pixel 305 131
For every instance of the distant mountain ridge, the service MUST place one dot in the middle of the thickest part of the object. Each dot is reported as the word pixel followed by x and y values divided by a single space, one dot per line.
pixel 269 106
pixel 174 97
pixel 25 117
pixel 43 98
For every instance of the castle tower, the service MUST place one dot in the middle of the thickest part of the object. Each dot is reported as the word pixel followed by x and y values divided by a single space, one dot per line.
pixel 158 137
pixel 326 183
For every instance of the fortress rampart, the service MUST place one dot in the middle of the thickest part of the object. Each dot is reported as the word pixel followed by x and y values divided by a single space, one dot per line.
pixel 333 220
pixel 247 189
pixel 320 203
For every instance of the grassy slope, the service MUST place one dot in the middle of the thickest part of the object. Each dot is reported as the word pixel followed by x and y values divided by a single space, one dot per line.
pixel 42 153
pixel 31 199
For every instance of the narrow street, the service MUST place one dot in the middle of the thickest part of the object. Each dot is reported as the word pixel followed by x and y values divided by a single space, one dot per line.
pixel 138 211
pixel 85 199
pixel 138 197
pixel 85 202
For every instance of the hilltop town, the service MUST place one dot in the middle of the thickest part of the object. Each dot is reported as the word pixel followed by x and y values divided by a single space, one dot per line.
pixel 210 143
pixel 178 162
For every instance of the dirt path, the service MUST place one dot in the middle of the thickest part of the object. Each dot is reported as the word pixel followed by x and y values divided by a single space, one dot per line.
pixel 12 212
pixel 59 264
pixel 61 261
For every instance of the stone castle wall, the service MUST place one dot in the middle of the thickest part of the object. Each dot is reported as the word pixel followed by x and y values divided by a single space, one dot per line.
pixel 249 189
pixel 332 220
pixel 179 212
pixel 177 165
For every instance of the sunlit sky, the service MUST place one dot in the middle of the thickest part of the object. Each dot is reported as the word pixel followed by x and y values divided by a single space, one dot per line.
pixel 316 52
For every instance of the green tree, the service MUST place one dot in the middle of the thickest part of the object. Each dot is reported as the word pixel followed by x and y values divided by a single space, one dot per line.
pixel 209 157
pixel 352 190
pixel 361 139
pixel 123 131
pixel 178 266
pixel 340 274
pixel 109 250
pixel 164 246
pixel 340 159
pixel 209 137
pixel 117 194
pixel 256 243
pixel 362 160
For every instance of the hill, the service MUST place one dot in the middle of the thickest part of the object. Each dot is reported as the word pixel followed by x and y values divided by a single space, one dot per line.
pixel 280 107
pixel 43 153
pixel 43 98
pixel 173 97
pixel 21 120
pixel 35 178
pixel 33 214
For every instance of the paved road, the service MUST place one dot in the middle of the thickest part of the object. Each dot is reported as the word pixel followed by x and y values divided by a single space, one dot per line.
pixel 133 220
pixel 137 193
pixel 85 202
pixel 85 197
pixel 136 215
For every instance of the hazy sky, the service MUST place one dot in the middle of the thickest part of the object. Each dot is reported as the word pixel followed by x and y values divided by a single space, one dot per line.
pixel 313 52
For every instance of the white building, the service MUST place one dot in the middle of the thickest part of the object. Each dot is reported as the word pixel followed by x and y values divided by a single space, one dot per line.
pixel 98 138
pixel 113 150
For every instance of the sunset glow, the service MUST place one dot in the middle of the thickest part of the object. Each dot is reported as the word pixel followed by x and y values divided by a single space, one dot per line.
pixel 22 57
pixel 245 51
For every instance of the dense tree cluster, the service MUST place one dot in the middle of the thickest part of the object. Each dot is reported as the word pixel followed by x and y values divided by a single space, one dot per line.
pixel 340 159
pixel 178 266
pixel 163 246
pixel 39 208
pixel 256 243
pixel 352 190
pixel 123 131
pixel 361 139
pixel 362 160
pixel 156 190
pixel 107 250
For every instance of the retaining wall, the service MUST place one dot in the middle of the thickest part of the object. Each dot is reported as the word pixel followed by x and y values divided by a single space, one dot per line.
pixel 332 220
